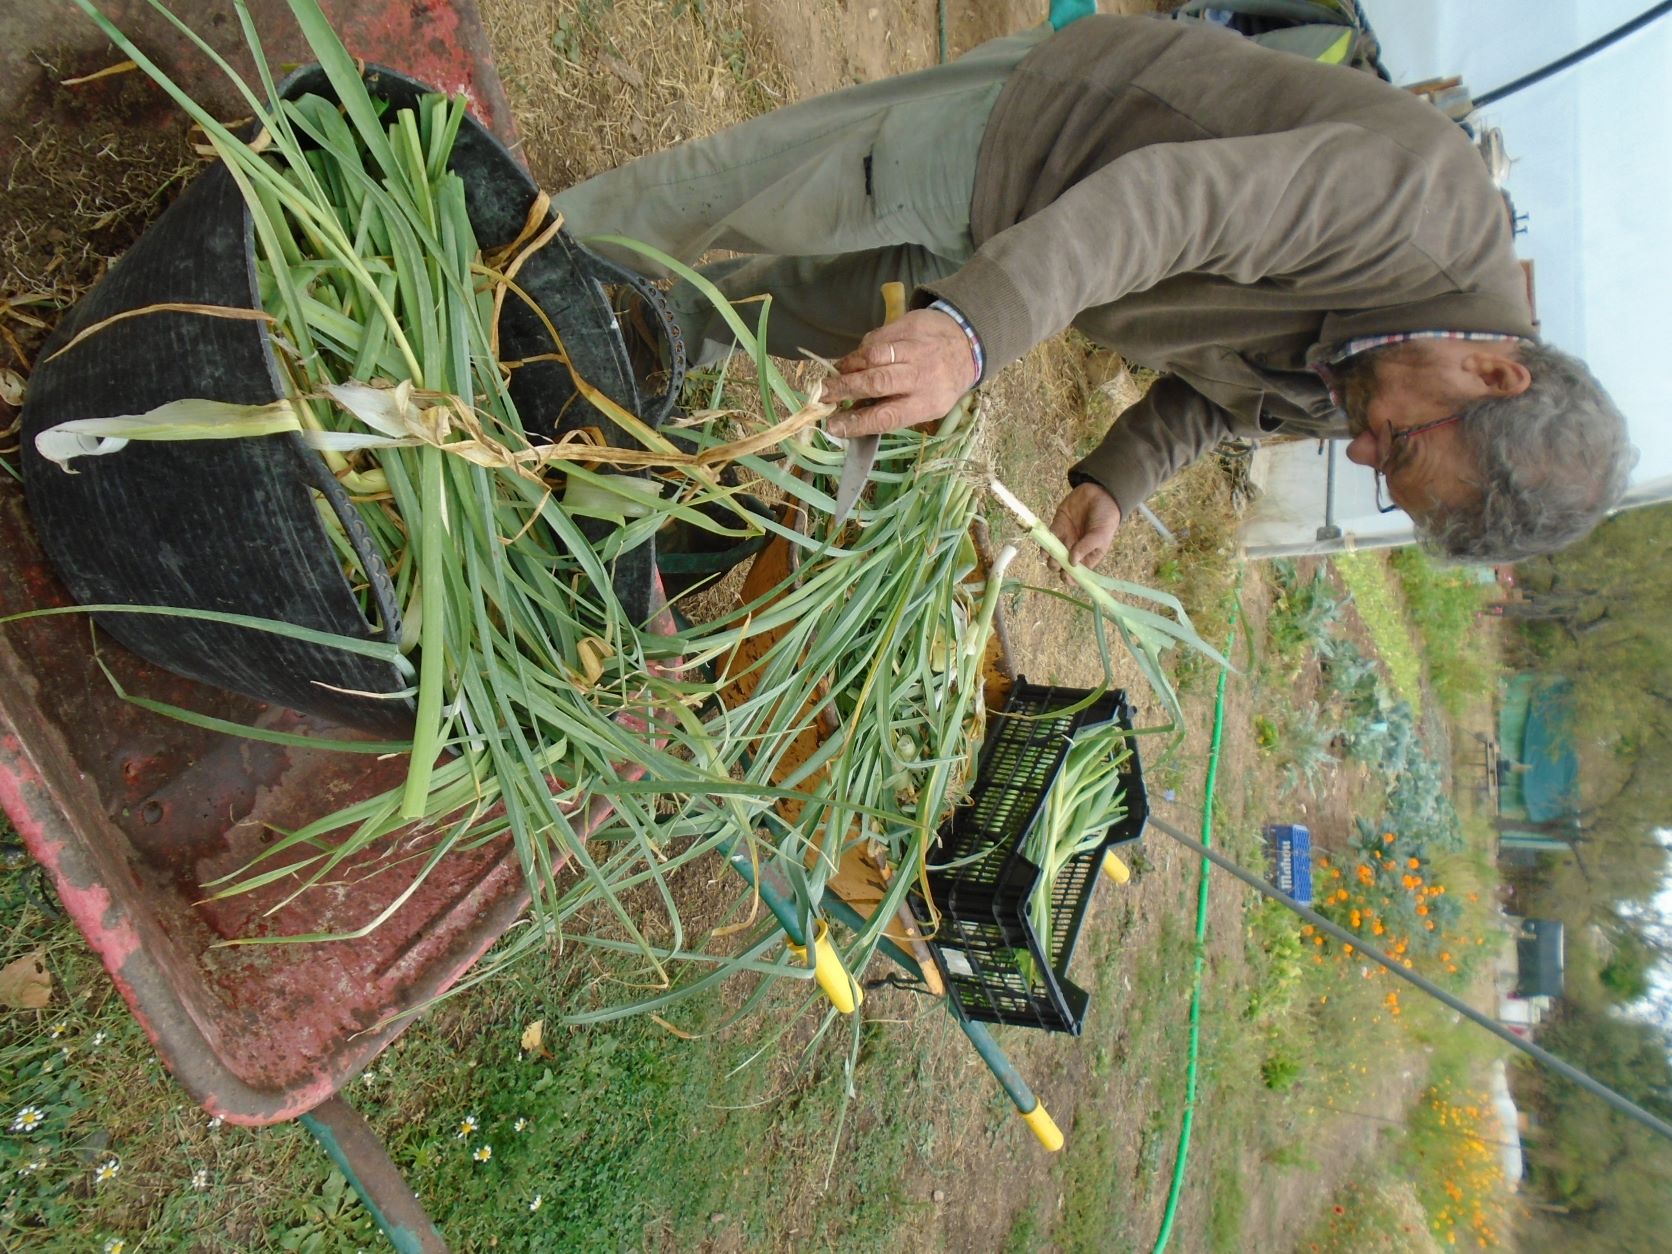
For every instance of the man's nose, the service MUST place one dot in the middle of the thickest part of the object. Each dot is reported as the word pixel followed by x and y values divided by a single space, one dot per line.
pixel 1361 449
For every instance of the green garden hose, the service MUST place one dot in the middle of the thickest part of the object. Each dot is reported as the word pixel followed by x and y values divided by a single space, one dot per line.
pixel 1201 958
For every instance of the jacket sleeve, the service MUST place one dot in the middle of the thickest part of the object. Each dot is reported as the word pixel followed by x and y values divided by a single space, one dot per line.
pixel 1333 203
pixel 1169 427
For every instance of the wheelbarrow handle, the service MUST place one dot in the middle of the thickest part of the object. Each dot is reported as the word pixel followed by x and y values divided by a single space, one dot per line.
pixel 1027 1105
pixel 359 1154
pixel 832 976
pixel 828 969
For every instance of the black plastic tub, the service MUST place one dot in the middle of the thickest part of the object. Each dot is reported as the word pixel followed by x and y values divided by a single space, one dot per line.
pixel 231 525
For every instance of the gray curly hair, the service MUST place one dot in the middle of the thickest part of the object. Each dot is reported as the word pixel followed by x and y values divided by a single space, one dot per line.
pixel 1552 462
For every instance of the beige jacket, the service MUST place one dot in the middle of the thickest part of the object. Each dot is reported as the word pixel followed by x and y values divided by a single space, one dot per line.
pixel 1224 214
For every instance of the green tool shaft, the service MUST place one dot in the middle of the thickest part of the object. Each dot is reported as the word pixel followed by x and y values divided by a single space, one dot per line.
pixel 783 909
pixel 839 910
pixel 1000 1065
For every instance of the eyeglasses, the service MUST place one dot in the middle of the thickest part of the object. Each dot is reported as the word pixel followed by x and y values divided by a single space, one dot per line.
pixel 1389 444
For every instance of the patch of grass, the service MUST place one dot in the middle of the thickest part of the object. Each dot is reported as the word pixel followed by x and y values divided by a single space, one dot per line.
pixel 1374 1211
pixel 1227 1206
pixel 180 1180
pixel 1027 1233
pixel 1366 577
pixel 1091 1202
pixel 632 1134
pixel 1444 605
pixel 1305 615
pixel 628 1136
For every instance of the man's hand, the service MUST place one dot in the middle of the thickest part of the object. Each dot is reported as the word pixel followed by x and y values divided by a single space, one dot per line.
pixel 912 370
pixel 1085 522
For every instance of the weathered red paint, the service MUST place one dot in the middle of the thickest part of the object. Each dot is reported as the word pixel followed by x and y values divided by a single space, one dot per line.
pixel 132 814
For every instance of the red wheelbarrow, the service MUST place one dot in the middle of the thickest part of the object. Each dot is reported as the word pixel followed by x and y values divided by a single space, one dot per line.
pixel 131 813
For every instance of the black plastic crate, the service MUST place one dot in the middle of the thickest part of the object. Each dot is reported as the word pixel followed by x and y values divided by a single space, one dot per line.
pixel 995 967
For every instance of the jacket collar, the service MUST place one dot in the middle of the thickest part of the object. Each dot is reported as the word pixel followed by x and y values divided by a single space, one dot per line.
pixel 1458 311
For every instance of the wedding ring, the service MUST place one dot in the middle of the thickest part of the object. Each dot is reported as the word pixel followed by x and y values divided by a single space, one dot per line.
pixel 891 354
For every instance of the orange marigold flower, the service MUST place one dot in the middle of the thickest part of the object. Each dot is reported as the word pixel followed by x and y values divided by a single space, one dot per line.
pixel 1422 910
pixel 1387 838
pixel 1413 862
pixel 1307 930
pixel 1378 928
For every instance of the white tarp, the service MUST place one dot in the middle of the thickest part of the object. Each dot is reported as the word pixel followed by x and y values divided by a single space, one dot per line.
pixel 1288 517
pixel 1504 1105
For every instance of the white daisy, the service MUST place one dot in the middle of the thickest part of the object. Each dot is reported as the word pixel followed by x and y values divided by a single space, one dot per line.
pixel 106 1171
pixel 28 1119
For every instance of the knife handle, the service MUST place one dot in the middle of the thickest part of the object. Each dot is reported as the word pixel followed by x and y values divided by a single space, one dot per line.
pixel 893 300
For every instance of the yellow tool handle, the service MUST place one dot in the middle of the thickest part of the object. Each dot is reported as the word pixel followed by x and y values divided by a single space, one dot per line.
pixel 1115 869
pixel 893 300
pixel 1044 1127
pixel 842 989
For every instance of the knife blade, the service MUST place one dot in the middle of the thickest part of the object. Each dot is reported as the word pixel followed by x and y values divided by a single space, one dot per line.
pixel 861 453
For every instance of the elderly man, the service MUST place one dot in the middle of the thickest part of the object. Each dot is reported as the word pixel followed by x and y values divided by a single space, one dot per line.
pixel 1297 248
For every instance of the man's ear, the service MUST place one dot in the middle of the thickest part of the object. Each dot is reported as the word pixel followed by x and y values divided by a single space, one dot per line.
pixel 1503 374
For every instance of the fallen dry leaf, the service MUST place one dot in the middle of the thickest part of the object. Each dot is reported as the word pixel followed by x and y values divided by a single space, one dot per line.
pixel 25 984
pixel 626 73
pixel 11 387
pixel 533 1037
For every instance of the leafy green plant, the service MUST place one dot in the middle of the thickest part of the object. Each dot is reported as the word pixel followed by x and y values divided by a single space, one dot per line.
pixel 575 31
pixel 331 1220
pixel 1445 604
pixel 1301 744
pixel 1280 1070
pixel 1354 680
pixel 1305 611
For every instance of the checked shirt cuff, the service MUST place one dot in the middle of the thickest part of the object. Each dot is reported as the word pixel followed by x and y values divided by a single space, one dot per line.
pixel 976 352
